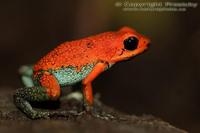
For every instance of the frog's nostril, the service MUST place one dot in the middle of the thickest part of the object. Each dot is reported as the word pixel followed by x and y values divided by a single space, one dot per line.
pixel 146 41
pixel 148 44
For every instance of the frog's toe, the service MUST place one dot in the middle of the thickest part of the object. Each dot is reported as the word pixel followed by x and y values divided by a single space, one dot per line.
pixel 67 113
pixel 103 116
pixel 40 115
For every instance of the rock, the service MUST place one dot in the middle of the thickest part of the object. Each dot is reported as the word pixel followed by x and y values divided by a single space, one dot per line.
pixel 13 120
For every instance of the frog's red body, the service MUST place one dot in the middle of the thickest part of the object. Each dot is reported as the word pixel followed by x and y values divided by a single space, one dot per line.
pixel 80 52
pixel 97 52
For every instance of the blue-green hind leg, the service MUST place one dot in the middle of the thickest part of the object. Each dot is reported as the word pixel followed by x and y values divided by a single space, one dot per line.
pixel 26 73
pixel 23 96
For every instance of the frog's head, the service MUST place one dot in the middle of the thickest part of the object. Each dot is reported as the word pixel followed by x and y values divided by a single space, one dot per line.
pixel 129 43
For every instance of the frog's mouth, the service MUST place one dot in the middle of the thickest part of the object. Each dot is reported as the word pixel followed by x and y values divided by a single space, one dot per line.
pixel 122 52
pixel 129 55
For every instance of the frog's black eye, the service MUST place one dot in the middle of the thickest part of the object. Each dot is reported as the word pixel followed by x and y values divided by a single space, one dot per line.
pixel 131 43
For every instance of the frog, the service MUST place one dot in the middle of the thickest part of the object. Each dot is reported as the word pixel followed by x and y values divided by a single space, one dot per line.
pixel 76 61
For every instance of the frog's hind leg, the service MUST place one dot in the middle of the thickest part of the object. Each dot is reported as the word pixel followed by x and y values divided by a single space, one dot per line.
pixel 49 90
pixel 26 73
pixel 23 96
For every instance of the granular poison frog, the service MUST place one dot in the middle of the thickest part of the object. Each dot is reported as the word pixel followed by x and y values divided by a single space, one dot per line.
pixel 74 62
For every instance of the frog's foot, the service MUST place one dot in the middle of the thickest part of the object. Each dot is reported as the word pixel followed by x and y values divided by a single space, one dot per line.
pixel 26 108
pixel 26 73
pixel 49 90
pixel 104 116
pixel 23 96
pixel 65 113
pixel 97 111
pixel 78 96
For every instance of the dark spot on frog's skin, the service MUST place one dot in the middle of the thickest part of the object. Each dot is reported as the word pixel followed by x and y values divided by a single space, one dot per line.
pixel 108 64
pixel 122 52
pixel 62 67
pixel 89 45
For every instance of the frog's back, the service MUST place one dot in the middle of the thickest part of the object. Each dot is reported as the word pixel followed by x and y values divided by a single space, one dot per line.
pixel 77 53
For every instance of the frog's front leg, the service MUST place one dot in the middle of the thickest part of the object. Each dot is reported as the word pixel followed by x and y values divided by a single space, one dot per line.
pixel 49 89
pixel 87 84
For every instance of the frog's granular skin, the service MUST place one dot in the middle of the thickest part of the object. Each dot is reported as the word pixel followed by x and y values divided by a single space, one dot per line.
pixel 101 47
pixel 80 52
pixel 70 76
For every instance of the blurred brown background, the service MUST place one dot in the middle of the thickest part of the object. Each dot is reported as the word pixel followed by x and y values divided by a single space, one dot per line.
pixel 164 82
